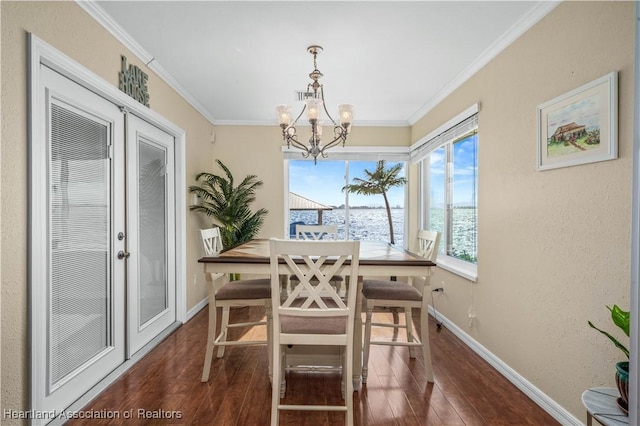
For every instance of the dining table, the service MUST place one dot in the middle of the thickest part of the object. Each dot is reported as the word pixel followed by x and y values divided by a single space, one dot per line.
pixel 377 259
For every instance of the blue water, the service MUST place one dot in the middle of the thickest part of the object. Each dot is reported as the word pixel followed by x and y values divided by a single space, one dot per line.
pixel 365 224
pixel 372 224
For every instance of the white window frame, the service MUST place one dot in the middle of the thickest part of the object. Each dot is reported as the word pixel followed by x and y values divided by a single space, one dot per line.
pixel 419 152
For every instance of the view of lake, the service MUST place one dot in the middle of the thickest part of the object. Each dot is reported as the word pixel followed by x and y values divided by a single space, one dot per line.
pixel 372 224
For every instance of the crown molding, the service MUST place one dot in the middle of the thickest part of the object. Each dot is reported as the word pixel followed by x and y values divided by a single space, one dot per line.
pixel 511 35
pixel 519 28
pixel 356 123
pixel 104 19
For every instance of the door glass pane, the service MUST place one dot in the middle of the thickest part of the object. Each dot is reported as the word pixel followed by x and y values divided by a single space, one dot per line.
pixel 152 221
pixel 79 208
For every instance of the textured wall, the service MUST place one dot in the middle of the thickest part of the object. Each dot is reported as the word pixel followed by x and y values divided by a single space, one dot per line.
pixel 554 246
pixel 68 28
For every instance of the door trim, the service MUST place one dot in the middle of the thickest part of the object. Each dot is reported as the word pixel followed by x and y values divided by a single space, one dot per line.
pixel 41 53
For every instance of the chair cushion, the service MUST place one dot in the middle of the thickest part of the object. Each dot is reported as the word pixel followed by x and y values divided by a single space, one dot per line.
pixel 296 324
pixel 245 289
pixel 292 324
pixel 389 290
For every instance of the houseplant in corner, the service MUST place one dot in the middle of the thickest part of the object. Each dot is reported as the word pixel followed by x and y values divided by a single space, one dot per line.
pixel 621 319
pixel 229 205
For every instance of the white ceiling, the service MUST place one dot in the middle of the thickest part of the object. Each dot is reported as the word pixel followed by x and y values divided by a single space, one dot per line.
pixel 235 60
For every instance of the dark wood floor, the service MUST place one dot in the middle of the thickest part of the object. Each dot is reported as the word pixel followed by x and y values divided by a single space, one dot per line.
pixel 166 386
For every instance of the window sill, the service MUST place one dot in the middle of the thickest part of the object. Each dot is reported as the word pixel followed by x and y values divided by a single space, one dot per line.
pixel 466 270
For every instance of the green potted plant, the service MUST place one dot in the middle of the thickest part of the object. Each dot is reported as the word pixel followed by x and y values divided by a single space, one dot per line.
pixel 229 205
pixel 621 319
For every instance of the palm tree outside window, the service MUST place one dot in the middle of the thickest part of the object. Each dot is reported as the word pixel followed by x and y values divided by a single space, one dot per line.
pixel 361 216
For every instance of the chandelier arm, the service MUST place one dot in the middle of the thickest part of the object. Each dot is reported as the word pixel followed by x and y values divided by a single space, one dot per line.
pixel 288 133
pixel 336 141
pixel 324 105
pixel 291 139
pixel 298 117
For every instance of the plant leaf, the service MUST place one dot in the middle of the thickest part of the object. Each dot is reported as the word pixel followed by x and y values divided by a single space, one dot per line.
pixel 613 339
pixel 620 318
pixel 229 205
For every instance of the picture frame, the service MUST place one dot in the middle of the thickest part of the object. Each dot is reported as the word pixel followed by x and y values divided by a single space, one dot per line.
pixel 580 126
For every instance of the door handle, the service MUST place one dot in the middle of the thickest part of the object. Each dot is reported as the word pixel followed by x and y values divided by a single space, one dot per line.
pixel 123 254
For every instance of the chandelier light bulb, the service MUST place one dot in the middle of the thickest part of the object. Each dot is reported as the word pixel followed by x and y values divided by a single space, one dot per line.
pixel 346 113
pixel 314 107
pixel 284 114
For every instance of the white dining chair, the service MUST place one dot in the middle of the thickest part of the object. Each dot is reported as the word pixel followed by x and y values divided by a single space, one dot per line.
pixel 316 232
pixel 319 232
pixel 407 296
pixel 232 294
pixel 313 313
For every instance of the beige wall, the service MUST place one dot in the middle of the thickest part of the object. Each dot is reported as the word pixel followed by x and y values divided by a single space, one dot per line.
pixel 554 246
pixel 257 150
pixel 68 28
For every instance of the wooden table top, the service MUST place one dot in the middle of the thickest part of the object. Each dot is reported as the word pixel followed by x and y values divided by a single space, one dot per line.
pixel 371 253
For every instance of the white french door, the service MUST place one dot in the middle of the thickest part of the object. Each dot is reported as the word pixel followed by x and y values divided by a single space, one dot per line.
pixel 77 282
pixel 151 238
pixel 102 245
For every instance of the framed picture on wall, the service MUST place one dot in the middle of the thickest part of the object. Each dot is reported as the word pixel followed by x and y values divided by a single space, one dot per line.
pixel 580 126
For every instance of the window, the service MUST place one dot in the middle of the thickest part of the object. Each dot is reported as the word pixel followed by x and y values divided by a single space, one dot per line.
pixel 449 166
pixel 315 196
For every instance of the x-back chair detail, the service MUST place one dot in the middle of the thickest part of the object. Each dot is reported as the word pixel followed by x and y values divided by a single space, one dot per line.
pixel 313 313
pixel 319 232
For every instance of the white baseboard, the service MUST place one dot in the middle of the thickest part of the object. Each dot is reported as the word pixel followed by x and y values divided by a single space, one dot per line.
pixel 197 308
pixel 539 397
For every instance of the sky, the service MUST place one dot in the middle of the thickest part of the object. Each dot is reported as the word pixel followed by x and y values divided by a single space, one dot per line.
pixel 323 183
pixel 464 169
pixel 585 112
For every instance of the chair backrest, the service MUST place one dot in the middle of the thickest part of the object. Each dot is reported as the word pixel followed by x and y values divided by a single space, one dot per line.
pixel 314 263
pixel 211 240
pixel 316 232
pixel 428 243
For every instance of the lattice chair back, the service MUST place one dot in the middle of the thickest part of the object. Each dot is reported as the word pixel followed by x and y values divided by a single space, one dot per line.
pixel 428 243
pixel 313 312
pixel 211 241
pixel 314 263
pixel 316 232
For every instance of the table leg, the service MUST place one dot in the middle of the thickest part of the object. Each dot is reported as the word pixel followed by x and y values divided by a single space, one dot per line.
pixel 357 339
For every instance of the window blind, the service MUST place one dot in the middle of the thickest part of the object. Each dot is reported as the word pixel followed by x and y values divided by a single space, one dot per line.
pixel 79 211
pixel 462 125
pixel 355 153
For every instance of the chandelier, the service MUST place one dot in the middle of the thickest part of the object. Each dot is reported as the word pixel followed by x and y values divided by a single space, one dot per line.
pixel 314 104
